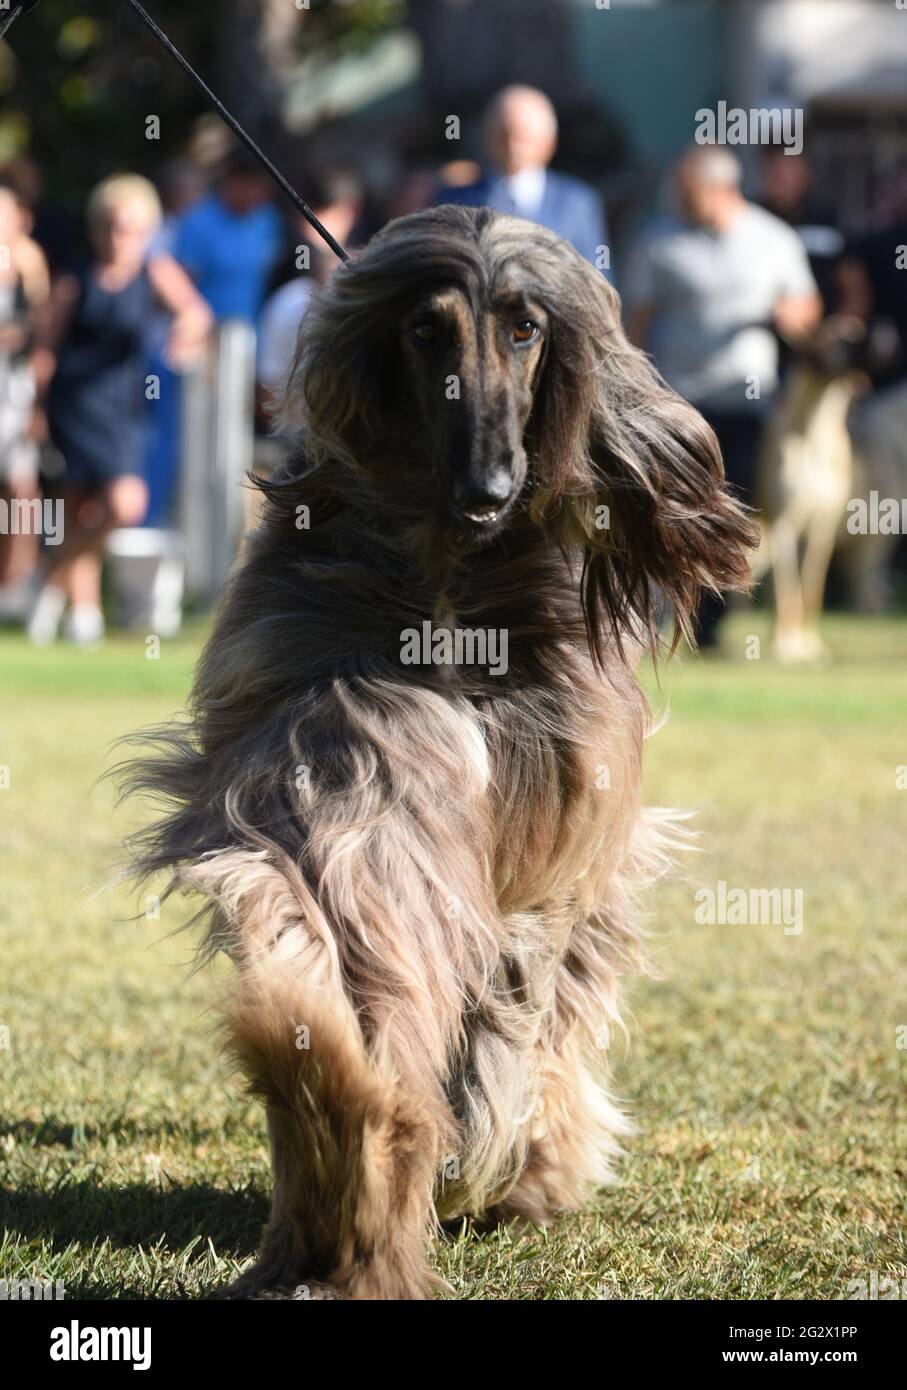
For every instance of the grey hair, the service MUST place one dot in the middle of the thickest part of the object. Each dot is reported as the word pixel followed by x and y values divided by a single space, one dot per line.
pixel 714 166
pixel 520 90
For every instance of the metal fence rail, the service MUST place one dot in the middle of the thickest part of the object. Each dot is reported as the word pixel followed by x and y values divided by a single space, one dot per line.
pixel 216 454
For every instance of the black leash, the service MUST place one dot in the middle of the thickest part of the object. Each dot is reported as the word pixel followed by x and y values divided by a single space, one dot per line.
pixel 17 7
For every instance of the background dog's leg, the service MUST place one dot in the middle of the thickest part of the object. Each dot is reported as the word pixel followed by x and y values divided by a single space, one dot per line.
pixel 788 593
pixel 820 544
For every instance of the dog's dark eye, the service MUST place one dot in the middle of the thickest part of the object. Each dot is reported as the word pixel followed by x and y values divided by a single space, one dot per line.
pixel 424 332
pixel 525 331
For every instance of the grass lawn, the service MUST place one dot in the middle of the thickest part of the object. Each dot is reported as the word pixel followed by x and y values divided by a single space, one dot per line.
pixel 763 1068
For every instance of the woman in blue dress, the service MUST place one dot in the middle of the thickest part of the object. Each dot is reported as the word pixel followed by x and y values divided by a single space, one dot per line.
pixel 91 369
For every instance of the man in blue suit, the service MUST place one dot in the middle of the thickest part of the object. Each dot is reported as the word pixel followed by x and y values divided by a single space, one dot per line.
pixel 520 140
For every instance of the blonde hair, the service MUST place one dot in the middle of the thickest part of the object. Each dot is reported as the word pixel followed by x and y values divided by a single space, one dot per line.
pixel 112 192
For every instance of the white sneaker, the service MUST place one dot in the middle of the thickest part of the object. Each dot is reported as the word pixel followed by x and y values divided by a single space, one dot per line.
pixel 47 609
pixel 84 625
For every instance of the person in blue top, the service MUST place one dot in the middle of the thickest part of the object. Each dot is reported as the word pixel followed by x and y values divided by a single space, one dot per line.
pixel 520 141
pixel 230 241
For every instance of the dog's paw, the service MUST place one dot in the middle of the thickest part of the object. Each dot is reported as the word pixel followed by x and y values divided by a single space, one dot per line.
pixel 249 1288
pixel 300 1292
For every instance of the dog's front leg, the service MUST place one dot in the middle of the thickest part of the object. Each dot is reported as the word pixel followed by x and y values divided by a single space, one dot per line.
pixel 574 1137
pixel 354 1151
pixel 357 1113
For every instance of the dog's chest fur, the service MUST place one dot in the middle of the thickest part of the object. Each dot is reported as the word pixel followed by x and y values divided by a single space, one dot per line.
pixel 554 748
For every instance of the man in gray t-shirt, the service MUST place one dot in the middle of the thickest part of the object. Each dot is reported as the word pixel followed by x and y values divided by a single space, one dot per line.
pixel 705 293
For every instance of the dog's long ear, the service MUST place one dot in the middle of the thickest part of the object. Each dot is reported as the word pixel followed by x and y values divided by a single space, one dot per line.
pixel 348 387
pixel 341 386
pixel 633 473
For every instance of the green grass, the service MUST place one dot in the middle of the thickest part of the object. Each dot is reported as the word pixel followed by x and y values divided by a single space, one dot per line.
pixel 763 1069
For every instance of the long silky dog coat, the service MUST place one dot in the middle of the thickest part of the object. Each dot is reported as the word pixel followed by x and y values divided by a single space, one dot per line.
pixel 425 873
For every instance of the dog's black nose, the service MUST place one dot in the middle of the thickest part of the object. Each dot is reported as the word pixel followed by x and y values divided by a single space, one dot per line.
pixel 491 490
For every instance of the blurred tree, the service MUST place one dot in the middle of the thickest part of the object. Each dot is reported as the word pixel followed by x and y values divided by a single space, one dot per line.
pixel 79 83
pixel 81 80
pixel 471 47
pixel 257 53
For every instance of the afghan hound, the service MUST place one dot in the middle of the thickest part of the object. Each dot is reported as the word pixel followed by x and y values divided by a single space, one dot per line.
pixel 422 860
pixel 807 473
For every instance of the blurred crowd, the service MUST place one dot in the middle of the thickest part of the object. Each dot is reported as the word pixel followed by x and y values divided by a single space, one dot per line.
pixel 726 290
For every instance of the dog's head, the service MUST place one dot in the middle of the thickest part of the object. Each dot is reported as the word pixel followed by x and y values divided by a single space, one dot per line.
pixel 471 369
pixel 844 346
pixel 477 350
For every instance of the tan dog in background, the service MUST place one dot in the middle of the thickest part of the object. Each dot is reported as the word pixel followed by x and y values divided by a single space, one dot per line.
pixel 806 476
